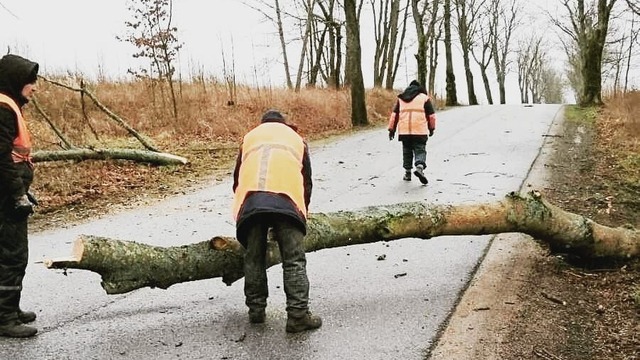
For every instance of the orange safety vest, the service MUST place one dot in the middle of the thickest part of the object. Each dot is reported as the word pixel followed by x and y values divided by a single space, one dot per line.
pixel 412 118
pixel 271 161
pixel 22 143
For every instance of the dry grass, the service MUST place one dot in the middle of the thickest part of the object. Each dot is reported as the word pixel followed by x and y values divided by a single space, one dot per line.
pixel 593 178
pixel 619 131
pixel 206 131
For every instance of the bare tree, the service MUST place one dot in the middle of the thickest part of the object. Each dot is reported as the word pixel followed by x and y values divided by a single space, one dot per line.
pixel 425 14
pixel 152 32
pixel 386 26
pixel 306 35
pixel 536 76
pixel 588 28
pixel 382 19
pixel 574 77
pixel 615 56
pixel 355 25
pixel 452 97
pixel 619 53
pixel 552 85
pixel 504 22
pixel 635 32
pixel 354 65
pixel 434 34
pixel 283 44
pixel 327 61
pixel 483 46
pixel 634 6
pixel 229 74
pixel 526 59
pixel 468 12
pixel 393 56
pixel 273 13
pixel 534 71
pixel 418 10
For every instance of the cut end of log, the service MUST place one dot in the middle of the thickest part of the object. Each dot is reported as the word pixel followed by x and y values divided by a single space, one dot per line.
pixel 220 243
pixel 175 158
pixel 225 243
pixel 78 248
pixel 74 259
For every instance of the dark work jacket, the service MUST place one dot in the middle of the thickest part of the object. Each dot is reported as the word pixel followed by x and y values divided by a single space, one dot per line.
pixel 15 178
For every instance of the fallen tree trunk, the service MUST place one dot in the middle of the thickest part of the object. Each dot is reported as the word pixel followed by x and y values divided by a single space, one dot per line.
pixel 126 266
pixel 152 157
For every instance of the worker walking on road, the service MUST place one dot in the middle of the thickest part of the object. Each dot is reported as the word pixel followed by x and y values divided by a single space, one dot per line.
pixel 17 84
pixel 414 119
pixel 272 186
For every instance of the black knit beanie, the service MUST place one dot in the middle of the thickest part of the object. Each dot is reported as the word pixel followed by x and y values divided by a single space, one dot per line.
pixel 272 116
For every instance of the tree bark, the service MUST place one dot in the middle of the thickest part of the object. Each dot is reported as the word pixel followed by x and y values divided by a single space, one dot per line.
pixel 78 154
pixel 127 266
pixel 381 31
pixel 354 66
pixel 451 92
pixel 421 53
pixel 283 45
pixel 467 17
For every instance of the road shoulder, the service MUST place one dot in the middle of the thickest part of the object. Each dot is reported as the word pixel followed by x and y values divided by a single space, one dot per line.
pixel 492 301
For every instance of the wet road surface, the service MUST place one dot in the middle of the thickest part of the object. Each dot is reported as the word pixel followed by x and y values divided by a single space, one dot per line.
pixel 371 309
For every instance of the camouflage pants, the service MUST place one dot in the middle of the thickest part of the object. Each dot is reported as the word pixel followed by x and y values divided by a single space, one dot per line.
pixel 294 263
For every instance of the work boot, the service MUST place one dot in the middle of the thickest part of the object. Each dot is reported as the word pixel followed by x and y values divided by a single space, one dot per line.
pixel 256 316
pixel 407 175
pixel 419 173
pixel 16 329
pixel 304 323
pixel 26 317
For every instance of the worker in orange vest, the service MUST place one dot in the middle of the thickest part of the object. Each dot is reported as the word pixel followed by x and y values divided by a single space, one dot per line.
pixel 272 191
pixel 414 119
pixel 17 84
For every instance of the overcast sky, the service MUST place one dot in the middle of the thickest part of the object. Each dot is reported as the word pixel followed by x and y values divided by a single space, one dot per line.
pixel 80 36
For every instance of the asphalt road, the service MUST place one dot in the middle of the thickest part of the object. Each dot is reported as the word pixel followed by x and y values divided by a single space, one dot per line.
pixel 478 154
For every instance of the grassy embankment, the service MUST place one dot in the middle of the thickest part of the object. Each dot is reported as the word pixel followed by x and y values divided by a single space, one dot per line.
pixel 206 131
pixel 608 190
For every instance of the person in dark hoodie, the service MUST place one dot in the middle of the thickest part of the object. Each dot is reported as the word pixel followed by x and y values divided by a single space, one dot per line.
pixel 414 119
pixel 17 84
pixel 272 191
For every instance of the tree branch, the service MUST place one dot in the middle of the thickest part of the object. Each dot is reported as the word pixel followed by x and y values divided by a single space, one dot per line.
pixel 126 266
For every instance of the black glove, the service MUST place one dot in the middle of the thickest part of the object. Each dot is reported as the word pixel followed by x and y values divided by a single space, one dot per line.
pixel 32 198
pixel 22 208
pixel 392 134
pixel 431 131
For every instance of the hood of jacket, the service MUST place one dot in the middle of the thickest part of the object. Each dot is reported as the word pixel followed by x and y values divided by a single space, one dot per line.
pixel 411 92
pixel 15 73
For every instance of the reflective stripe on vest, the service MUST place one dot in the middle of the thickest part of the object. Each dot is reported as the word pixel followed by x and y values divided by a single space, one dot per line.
pixel 413 120
pixel 271 161
pixel 22 143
